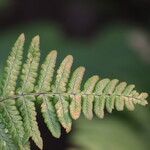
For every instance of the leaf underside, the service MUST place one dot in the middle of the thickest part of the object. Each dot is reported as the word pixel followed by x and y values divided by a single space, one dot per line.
pixel 61 97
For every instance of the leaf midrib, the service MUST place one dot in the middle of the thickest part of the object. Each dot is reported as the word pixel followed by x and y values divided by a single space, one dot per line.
pixel 64 94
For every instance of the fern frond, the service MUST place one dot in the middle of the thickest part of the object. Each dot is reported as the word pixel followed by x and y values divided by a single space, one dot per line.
pixel 13 67
pixel 61 102
pixel 6 141
pixel 29 71
pixel 74 87
pixel 88 97
pixel 27 146
pixel 10 113
pixel 47 72
pixel 26 103
pixel 12 120
pixel 61 98
pixel 44 85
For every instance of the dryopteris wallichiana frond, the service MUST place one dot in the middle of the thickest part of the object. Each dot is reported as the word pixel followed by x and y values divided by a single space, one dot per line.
pixel 61 98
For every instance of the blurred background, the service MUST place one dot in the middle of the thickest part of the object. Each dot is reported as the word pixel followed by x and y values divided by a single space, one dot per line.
pixel 110 38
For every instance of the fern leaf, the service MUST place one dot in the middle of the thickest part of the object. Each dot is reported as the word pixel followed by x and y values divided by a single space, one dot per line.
pixel 50 117
pixel 140 99
pixel 29 71
pixel 74 88
pixel 112 95
pixel 12 68
pixel 12 119
pixel 61 97
pixel 26 103
pixel 44 85
pixel 119 102
pixel 109 89
pixel 27 108
pixel 61 104
pixel 99 102
pixel 88 97
pixel 6 141
pixel 46 74
pixel 27 146
pixel 63 75
pixel 75 81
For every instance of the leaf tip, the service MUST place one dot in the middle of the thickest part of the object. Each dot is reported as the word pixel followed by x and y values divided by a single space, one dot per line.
pixel 53 53
pixel 70 58
pixel 22 37
pixel 36 40
pixel 68 128
pixel 82 68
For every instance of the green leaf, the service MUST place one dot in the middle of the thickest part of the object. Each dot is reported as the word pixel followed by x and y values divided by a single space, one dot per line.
pixel 61 97
pixel 12 120
pixel 63 112
pixel 6 141
pixel 61 105
pixel 88 97
pixel 44 85
pixel 29 71
pixel 49 115
pixel 74 90
pixel 26 103
pixel 13 67
pixel 47 72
